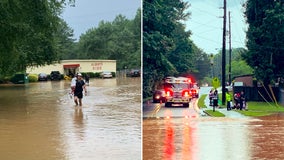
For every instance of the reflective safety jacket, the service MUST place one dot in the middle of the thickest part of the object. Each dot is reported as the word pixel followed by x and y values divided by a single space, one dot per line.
pixel 228 97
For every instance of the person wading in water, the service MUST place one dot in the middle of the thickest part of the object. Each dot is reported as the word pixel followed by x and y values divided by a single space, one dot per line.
pixel 78 92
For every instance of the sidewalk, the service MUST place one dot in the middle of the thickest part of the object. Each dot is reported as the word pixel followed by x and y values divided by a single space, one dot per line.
pixel 231 113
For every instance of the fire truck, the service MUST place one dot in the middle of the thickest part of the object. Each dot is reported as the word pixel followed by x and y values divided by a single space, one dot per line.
pixel 178 91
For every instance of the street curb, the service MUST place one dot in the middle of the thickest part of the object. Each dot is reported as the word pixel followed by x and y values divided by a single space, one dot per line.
pixel 207 113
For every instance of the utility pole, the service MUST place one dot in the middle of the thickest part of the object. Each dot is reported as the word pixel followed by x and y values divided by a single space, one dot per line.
pixel 230 50
pixel 224 56
pixel 212 63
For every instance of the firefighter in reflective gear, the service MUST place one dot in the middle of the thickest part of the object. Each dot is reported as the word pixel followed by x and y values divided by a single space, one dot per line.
pixel 229 100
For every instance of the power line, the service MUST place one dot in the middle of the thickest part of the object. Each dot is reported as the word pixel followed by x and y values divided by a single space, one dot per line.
pixel 204 38
pixel 204 11
pixel 205 24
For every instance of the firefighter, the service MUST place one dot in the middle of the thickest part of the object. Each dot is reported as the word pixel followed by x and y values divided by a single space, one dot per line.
pixel 228 100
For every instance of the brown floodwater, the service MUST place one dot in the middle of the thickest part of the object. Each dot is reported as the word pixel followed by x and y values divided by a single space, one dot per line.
pixel 207 138
pixel 40 121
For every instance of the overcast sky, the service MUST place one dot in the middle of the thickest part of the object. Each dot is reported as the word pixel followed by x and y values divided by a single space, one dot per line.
pixel 205 22
pixel 207 26
pixel 88 13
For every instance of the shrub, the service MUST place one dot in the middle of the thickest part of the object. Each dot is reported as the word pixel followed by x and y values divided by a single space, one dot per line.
pixel 97 75
pixel 33 78
pixel 91 74
pixel 5 79
pixel 113 74
pixel 83 74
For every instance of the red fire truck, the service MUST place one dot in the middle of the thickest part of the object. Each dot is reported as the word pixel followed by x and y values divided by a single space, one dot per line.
pixel 178 91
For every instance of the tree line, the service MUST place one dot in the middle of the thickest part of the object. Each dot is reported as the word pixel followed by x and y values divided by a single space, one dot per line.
pixel 238 64
pixel 34 34
pixel 118 40
pixel 168 50
pixel 265 39
pixel 29 33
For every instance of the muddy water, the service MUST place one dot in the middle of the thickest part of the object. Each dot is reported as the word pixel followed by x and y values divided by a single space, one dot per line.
pixel 214 138
pixel 40 121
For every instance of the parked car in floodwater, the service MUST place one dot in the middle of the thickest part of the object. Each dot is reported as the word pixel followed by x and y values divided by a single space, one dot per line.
pixel 106 74
pixel 133 73
pixel 55 75
pixel 42 77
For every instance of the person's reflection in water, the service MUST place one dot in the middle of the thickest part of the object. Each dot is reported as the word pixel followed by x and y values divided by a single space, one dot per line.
pixel 79 123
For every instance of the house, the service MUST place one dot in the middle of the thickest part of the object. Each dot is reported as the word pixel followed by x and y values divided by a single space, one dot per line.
pixel 244 80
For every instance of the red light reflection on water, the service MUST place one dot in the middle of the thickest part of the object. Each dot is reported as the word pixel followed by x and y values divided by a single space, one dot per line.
pixel 169 137
pixel 186 143
pixel 188 139
pixel 169 141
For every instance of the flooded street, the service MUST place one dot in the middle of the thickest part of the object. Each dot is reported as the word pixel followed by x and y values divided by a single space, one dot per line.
pixel 186 133
pixel 41 121
pixel 207 138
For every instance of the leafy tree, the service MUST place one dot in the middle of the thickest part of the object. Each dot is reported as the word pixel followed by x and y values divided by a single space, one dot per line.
pixel 217 65
pixel 94 43
pixel 240 68
pixel 238 65
pixel 27 29
pixel 181 54
pixel 65 43
pixel 265 38
pixel 119 40
pixel 202 67
pixel 125 50
pixel 163 52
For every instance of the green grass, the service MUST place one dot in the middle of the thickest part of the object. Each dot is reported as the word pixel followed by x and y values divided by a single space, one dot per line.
pixel 201 103
pixel 215 114
pixel 256 109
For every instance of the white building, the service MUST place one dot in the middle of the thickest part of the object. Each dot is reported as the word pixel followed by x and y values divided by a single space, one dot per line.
pixel 68 67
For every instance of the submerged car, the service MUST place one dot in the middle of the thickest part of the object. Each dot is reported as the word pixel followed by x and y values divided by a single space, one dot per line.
pixel 55 75
pixel 42 77
pixel 106 74
pixel 134 73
